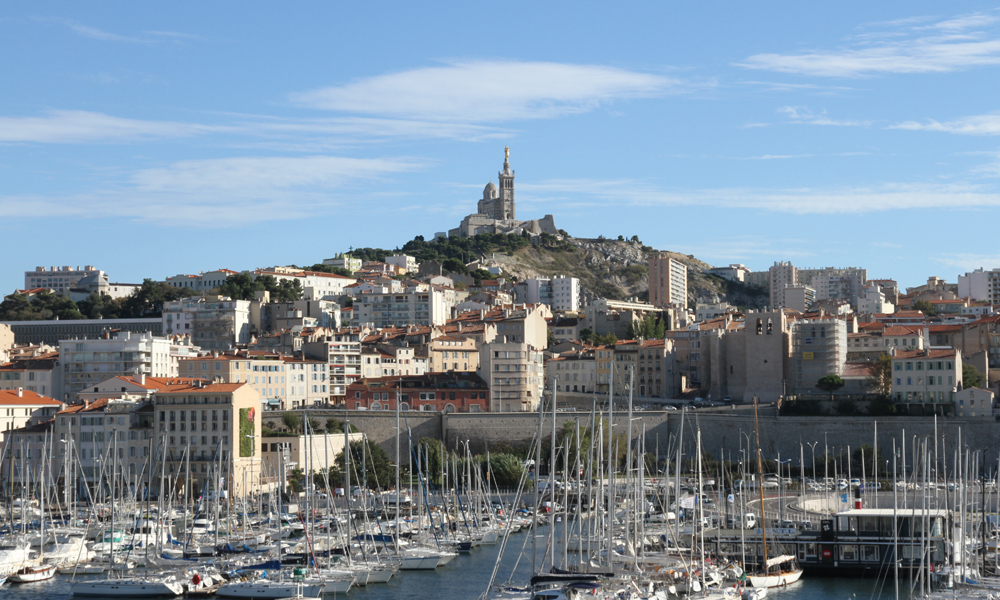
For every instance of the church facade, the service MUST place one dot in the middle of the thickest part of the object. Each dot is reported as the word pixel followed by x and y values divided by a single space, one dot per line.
pixel 497 211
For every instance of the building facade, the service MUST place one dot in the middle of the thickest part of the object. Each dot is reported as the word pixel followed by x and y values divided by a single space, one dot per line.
pixel 515 373
pixel 213 322
pixel 667 281
pixel 89 362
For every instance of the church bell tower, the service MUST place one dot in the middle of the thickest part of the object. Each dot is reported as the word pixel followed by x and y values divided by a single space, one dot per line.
pixel 506 200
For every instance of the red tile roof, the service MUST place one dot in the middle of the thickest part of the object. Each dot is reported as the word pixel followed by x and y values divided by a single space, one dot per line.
pixel 26 398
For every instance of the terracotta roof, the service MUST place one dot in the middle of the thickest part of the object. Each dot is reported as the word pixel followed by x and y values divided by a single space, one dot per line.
pixel 902 330
pixel 27 398
pixel 944 328
pixel 156 383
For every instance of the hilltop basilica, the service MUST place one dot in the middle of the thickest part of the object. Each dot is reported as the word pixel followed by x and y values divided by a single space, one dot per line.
pixel 496 212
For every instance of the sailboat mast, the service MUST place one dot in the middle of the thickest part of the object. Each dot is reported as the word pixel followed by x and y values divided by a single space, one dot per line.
pixel 760 487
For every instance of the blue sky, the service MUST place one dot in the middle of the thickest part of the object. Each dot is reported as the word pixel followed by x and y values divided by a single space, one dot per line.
pixel 157 139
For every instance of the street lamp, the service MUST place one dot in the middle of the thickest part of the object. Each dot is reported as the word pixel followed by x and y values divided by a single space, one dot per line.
pixel 812 447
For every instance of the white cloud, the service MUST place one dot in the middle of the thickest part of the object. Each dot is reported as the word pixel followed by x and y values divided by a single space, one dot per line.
pixel 969 262
pixel 76 126
pixel 800 114
pixel 224 192
pixel 948 45
pixel 490 91
pixel 842 200
pixel 973 125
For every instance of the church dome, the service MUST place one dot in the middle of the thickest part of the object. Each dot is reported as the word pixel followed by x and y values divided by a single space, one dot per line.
pixel 490 191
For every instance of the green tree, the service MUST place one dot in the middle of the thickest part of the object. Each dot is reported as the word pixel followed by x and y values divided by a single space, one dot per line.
pixel 880 375
pixel 550 338
pixel 971 377
pixel 378 470
pixel 291 421
pixel 148 299
pixel 925 307
pixel 240 286
pixel 321 268
pixel 43 306
pixel 830 383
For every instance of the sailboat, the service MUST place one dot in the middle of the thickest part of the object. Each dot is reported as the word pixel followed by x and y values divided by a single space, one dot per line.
pixel 42 571
pixel 780 570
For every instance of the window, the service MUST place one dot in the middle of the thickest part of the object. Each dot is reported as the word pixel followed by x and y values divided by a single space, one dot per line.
pixel 849 552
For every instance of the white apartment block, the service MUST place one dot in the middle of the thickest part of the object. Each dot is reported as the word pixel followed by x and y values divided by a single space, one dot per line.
pixel 344 261
pixel 202 282
pixel 421 304
pixel 780 275
pixel 734 272
pixel 559 293
pixel 980 285
pixel 281 382
pixel 872 301
pixel 89 362
pixel 59 278
pixel 213 322
pixel 926 377
pixel 403 262
pixel 341 350
pixel 667 281
pixel 315 285
pixel 798 297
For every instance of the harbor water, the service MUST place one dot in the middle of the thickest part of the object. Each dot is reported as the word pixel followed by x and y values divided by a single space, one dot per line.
pixel 466 578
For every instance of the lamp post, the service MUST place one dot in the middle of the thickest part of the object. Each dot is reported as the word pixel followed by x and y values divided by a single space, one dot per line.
pixel 812 448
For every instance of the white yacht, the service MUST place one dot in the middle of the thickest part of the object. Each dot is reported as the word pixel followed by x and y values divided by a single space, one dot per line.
pixel 266 589
pixel 136 588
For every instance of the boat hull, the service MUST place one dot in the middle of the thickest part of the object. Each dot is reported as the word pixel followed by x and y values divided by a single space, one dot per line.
pixel 268 590
pixel 775 580
pixel 126 587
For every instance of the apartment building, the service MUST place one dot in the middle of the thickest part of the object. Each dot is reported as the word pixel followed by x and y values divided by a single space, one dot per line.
pixel 453 353
pixel 559 293
pixel 344 261
pixel 39 374
pixel 873 301
pixel 980 285
pixel 798 296
pixel 341 350
pixel 974 403
pixel 667 281
pixel 925 381
pixel 89 362
pixel 573 371
pixel 213 322
pixel 206 424
pixel 417 304
pixel 734 272
pixel 202 282
pixel 781 275
pixel 403 261
pixel 315 453
pixel 59 279
pixel 282 382
pixel 515 373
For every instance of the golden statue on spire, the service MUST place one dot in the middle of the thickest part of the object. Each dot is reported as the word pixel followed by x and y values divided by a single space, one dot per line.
pixel 506 153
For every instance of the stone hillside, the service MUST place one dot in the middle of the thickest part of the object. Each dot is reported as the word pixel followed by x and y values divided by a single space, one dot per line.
pixel 617 269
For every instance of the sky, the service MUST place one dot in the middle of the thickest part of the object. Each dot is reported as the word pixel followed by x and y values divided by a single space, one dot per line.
pixel 154 139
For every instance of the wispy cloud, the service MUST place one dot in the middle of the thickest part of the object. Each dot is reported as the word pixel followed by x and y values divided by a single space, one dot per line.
pixel 76 126
pixel 491 91
pixel 95 33
pixel 969 262
pixel 227 192
pixel 801 114
pixel 946 45
pixel 973 125
pixel 840 200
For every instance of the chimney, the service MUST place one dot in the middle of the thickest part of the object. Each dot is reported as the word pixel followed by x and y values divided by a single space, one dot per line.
pixel 20 392
pixel 139 378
